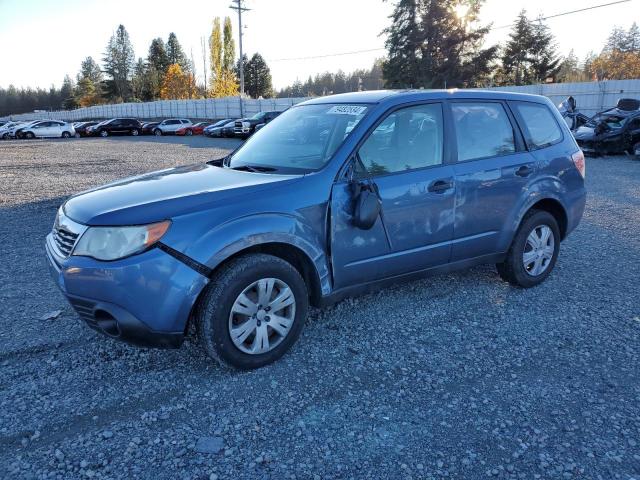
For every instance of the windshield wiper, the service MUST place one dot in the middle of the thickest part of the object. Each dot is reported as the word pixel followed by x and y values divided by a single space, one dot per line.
pixel 254 168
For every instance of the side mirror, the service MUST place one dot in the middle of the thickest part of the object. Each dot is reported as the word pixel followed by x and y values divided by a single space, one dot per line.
pixel 367 206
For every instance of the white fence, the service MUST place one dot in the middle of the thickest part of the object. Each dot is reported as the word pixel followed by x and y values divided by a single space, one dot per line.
pixel 590 96
pixel 209 108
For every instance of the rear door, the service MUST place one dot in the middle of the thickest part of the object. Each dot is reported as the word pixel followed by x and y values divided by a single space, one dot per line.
pixel 404 157
pixel 492 171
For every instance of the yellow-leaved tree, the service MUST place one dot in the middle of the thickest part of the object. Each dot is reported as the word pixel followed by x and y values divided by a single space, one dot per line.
pixel 177 85
pixel 223 53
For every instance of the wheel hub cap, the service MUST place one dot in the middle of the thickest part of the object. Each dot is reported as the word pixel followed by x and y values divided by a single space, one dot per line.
pixel 262 316
pixel 538 250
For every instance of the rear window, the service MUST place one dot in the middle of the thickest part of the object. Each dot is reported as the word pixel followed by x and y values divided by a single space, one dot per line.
pixel 540 126
pixel 482 130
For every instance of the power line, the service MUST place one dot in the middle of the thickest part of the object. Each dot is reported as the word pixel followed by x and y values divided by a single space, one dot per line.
pixel 355 52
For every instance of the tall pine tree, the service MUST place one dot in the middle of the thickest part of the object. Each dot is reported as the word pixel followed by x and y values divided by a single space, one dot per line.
pixel 118 65
pixel 257 77
pixel 430 45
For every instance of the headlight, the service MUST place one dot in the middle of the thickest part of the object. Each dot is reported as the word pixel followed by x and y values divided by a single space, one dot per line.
pixel 111 243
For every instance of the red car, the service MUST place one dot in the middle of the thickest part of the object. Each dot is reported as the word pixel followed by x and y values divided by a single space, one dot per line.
pixel 193 129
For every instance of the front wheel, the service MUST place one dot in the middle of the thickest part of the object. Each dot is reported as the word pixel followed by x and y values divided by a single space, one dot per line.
pixel 252 311
pixel 157 132
pixel 135 132
pixel 533 252
pixel 188 133
pixel 104 133
pixel 66 135
pixel 29 135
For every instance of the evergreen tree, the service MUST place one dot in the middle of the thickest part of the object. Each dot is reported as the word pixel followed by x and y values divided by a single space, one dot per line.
pixel 516 53
pixel 632 41
pixel 431 46
pixel 175 54
pixel 66 94
pixel 156 68
pixel 544 61
pixel 570 70
pixel 257 77
pixel 89 80
pixel 118 65
pixel 402 69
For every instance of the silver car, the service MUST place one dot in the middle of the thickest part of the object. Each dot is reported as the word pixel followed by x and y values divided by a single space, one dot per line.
pixel 47 129
pixel 170 125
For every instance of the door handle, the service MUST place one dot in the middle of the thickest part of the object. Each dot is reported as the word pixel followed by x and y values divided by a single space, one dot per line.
pixel 440 186
pixel 524 171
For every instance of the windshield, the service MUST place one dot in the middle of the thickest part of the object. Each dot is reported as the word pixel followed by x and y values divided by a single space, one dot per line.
pixel 610 121
pixel 301 140
pixel 258 116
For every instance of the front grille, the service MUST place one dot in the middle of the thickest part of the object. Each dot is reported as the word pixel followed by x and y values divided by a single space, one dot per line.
pixel 65 240
pixel 65 233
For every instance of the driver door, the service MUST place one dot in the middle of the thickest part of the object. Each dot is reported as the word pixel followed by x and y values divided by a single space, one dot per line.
pixel 404 159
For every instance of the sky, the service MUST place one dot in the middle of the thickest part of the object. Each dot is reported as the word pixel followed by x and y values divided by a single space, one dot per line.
pixel 44 39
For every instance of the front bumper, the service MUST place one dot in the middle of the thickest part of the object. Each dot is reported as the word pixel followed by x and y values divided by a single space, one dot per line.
pixel 144 300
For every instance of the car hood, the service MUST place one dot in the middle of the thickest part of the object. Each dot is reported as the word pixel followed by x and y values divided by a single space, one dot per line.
pixel 584 133
pixel 167 193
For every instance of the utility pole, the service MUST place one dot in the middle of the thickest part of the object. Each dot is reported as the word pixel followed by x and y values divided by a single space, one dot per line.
pixel 204 66
pixel 239 7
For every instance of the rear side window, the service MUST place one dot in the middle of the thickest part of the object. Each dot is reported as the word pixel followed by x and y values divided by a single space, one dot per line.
pixel 540 126
pixel 482 130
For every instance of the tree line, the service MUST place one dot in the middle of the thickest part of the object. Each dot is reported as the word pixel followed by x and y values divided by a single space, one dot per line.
pixel 430 44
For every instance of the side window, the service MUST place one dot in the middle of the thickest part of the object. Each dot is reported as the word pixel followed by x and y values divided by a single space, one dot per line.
pixel 634 124
pixel 407 139
pixel 540 126
pixel 482 130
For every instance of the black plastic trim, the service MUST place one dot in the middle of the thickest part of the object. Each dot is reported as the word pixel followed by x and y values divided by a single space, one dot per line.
pixel 188 261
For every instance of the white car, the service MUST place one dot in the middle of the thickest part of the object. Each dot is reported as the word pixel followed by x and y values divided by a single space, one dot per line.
pixel 13 130
pixel 5 130
pixel 47 129
pixel 170 125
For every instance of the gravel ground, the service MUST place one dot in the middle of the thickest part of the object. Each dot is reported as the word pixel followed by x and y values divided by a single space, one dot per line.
pixel 457 376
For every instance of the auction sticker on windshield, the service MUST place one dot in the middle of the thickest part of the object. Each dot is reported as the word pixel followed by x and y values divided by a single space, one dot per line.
pixel 347 109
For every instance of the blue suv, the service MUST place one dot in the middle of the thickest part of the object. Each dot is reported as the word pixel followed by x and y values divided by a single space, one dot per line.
pixel 336 196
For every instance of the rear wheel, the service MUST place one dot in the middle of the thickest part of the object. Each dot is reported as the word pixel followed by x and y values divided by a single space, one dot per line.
pixel 533 252
pixel 104 133
pixel 66 135
pixel 29 135
pixel 6 136
pixel 189 132
pixel 135 132
pixel 252 311
pixel 157 132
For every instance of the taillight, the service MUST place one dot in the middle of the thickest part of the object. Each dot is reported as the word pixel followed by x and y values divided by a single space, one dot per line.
pixel 578 161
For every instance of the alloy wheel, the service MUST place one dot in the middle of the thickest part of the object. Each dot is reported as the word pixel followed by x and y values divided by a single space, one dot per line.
pixel 262 316
pixel 538 250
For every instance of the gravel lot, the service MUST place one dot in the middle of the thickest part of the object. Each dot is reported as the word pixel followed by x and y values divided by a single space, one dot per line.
pixel 457 376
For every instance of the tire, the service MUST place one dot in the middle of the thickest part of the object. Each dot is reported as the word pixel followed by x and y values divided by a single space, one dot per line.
pixel 29 135
pixel 6 136
pixel 135 132
pixel 104 133
pixel 513 269
pixel 214 317
pixel 66 135
pixel 189 132
pixel 636 151
pixel 157 132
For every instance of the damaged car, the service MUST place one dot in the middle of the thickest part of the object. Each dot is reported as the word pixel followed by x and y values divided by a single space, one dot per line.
pixel 613 131
pixel 572 117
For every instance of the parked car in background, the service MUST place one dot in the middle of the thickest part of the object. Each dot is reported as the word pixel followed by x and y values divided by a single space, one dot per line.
pixel 224 129
pixel 616 130
pixel 81 127
pixel 148 127
pixel 15 131
pixel 171 125
pixel 116 126
pixel 337 196
pixel 245 127
pixel 6 129
pixel 3 123
pixel 213 130
pixel 195 129
pixel 46 129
